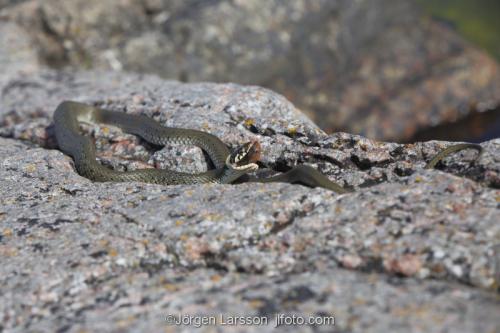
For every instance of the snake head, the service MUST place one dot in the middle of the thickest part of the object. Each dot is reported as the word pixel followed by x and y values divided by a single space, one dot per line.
pixel 244 156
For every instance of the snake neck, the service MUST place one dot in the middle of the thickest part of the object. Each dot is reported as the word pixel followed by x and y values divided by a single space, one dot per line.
pixel 230 175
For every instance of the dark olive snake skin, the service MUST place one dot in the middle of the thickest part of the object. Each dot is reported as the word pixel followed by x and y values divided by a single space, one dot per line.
pixel 68 114
pixel 81 148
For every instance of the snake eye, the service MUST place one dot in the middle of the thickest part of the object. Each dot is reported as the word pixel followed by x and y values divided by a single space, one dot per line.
pixel 239 156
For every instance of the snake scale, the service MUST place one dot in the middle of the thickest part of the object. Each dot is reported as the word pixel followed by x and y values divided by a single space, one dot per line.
pixel 230 167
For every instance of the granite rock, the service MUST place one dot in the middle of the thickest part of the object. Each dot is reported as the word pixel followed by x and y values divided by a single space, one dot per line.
pixel 409 250
pixel 16 54
pixel 374 67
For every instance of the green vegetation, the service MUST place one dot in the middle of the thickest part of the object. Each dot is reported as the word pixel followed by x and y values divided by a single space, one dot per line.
pixel 476 20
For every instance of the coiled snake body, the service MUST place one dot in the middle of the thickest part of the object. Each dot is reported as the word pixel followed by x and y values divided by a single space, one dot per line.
pixel 229 167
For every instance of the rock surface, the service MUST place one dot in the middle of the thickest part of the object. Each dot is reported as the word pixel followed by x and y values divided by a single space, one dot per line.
pixel 16 54
pixel 409 250
pixel 372 67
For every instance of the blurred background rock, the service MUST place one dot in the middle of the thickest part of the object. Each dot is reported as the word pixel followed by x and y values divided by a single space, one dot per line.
pixel 386 69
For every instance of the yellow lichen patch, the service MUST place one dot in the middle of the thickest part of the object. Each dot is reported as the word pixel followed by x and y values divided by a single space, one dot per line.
pixel 249 122
pixel 112 253
pixel 359 301
pixel 214 217
pixel 179 223
pixel 126 322
pixel 30 168
pixel 268 225
pixel 292 130
pixel 418 179
pixel 7 232
pixel 170 287
pixel 105 130
pixel 215 278
pixel 256 303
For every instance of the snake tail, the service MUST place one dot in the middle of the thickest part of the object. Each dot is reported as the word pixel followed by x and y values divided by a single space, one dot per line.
pixel 451 150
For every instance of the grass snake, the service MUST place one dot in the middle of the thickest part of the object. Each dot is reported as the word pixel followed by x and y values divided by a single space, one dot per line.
pixel 230 167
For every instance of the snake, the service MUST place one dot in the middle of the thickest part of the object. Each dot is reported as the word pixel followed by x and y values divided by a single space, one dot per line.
pixel 230 167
